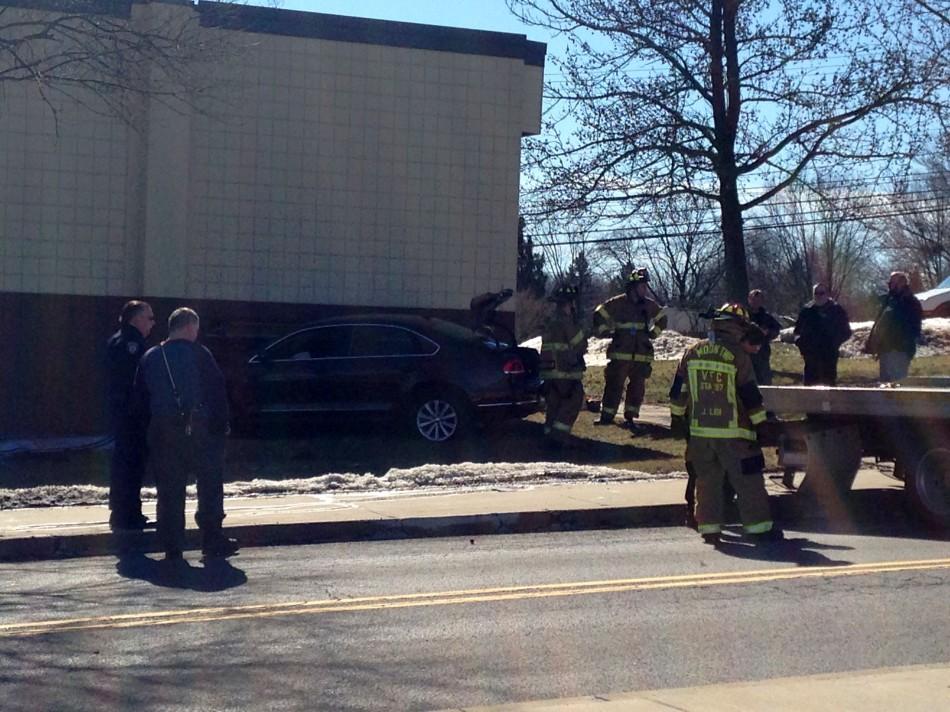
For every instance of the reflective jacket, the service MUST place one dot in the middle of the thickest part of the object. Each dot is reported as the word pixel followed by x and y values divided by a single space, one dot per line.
pixel 714 389
pixel 631 324
pixel 563 343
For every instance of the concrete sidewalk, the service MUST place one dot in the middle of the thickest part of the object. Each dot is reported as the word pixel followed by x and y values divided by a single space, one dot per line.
pixel 918 688
pixel 56 532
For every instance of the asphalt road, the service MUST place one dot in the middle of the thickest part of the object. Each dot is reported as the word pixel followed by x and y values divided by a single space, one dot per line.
pixel 528 617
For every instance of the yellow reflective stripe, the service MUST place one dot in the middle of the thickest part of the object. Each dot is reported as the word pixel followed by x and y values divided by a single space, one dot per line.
pixel 720 433
pixel 563 427
pixel 555 375
pixel 656 331
pixel 757 416
pixel 554 346
pixel 677 409
pixel 709 528
pixel 604 314
pixel 631 325
pixel 608 411
pixel 758 527
pixel 578 338
pixel 643 358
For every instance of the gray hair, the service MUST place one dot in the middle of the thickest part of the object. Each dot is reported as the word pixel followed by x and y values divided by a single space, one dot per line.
pixel 181 318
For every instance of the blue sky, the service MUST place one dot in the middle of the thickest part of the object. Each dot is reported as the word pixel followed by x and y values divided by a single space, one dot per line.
pixel 472 14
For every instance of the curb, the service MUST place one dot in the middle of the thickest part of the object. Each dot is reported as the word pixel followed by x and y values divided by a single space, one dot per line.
pixel 846 515
pixel 81 545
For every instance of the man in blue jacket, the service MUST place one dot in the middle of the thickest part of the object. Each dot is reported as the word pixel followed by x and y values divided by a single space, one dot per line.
pixel 183 391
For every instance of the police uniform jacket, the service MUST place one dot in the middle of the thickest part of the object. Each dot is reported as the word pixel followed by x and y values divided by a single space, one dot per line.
pixel 631 323
pixel 563 344
pixel 714 389
pixel 124 349
pixel 200 384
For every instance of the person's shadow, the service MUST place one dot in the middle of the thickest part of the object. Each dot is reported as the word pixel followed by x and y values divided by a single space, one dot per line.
pixel 799 550
pixel 214 575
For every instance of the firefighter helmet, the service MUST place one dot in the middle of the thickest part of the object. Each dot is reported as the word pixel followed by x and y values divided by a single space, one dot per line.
pixel 733 311
pixel 638 276
pixel 564 293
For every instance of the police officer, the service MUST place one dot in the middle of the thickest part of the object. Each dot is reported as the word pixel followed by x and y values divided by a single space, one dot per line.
pixel 123 351
pixel 716 404
pixel 632 320
pixel 563 343
pixel 185 394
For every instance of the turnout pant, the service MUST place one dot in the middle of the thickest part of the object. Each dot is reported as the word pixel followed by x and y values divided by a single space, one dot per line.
pixel 174 457
pixel 616 375
pixel 564 398
pixel 127 470
pixel 740 462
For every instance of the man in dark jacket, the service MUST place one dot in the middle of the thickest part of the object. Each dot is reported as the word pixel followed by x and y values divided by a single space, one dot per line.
pixel 183 390
pixel 821 328
pixel 894 335
pixel 123 351
pixel 770 327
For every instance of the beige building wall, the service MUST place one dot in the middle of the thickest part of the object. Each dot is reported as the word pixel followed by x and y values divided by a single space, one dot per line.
pixel 325 172
pixel 64 197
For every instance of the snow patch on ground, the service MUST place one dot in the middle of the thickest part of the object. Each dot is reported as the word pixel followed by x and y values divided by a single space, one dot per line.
pixel 671 345
pixel 668 346
pixel 934 338
pixel 464 476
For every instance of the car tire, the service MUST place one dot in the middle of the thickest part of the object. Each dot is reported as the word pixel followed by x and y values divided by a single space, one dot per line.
pixel 438 416
pixel 927 486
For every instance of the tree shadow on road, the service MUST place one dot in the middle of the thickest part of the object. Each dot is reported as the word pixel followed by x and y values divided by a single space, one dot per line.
pixel 800 551
pixel 213 575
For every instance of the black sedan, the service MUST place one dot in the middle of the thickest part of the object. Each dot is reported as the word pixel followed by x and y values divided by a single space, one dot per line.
pixel 438 377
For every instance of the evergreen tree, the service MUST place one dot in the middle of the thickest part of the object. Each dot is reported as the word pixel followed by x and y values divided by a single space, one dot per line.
pixel 531 276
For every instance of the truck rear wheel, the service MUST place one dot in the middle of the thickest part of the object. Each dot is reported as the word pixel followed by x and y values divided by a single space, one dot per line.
pixel 927 483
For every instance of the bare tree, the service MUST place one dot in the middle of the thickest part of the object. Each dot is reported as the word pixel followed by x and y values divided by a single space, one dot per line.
pixel 730 101
pixel 104 53
pixel 683 254
pixel 917 237
pixel 815 235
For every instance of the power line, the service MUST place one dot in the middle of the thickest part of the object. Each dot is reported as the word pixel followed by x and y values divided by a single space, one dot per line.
pixel 710 233
pixel 904 206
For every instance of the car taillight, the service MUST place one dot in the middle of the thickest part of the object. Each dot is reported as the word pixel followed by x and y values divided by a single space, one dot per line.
pixel 513 367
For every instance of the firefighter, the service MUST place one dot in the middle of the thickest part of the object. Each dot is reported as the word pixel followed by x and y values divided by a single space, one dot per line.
pixel 716 404
pixel 632 320
pixel 563 343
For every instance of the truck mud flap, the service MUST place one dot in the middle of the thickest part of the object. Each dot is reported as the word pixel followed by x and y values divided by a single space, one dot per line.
pixel 833 460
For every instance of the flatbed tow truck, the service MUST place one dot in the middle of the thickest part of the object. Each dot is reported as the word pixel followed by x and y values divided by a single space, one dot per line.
pixel 828 430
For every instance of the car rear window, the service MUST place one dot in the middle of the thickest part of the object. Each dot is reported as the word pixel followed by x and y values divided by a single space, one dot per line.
pixel 381 340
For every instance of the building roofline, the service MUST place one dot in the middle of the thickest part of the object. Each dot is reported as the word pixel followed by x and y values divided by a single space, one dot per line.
pixel 342 28
pixel 108 8
pixel 316 25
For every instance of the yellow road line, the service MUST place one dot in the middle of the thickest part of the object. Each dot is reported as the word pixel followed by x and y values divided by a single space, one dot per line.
pixel 442 598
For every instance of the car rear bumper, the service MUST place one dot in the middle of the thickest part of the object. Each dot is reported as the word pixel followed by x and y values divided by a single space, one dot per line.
pixel 503 410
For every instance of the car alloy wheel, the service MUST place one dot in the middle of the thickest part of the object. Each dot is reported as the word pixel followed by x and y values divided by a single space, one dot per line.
pixel 437 419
